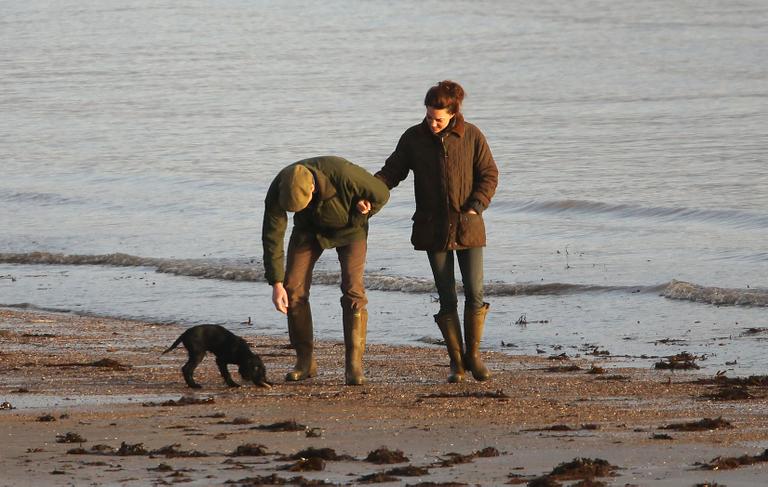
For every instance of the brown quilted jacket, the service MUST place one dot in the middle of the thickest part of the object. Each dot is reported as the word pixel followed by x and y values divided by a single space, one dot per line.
pixel 451 175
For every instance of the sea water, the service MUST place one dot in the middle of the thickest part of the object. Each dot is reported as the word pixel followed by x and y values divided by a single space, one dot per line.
pixel 137 142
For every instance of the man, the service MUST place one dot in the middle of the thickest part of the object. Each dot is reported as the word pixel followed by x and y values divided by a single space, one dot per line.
pixel 332 200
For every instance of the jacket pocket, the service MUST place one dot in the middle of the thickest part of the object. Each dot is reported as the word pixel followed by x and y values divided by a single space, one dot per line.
pixel 423 233
pixel 471 231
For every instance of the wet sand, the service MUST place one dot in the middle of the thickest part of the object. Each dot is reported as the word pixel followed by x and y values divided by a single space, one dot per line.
pixel 90 401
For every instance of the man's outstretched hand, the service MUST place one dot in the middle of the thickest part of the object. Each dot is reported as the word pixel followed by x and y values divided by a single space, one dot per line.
pixel 280 297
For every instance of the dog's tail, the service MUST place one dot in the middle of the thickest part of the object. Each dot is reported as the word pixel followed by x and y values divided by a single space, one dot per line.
pixel 175 344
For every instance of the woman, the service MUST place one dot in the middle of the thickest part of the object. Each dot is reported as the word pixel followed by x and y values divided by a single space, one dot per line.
pixel 455 178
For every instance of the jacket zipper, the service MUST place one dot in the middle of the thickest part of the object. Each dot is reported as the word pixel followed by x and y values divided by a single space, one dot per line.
pixel 448 242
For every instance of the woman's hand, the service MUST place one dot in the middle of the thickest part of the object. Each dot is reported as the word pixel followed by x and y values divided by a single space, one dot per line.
pixel 471 212
pixel 280 297
pixel 364 206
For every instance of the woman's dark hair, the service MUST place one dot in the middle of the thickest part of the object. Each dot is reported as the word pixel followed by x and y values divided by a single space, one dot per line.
pixel 446 94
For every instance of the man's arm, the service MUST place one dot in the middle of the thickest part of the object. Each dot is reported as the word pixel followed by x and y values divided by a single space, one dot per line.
pixel 372 192
pixel 273 236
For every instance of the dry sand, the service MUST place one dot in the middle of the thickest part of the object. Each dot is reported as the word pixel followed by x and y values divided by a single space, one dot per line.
pixel 517 427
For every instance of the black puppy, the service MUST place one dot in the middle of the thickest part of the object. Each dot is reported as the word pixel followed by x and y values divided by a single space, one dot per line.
pixel 228 348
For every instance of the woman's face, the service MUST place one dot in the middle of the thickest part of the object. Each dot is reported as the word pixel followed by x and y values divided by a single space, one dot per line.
pixel 438 119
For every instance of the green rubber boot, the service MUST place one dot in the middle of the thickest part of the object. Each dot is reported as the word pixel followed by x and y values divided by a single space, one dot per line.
pixel 449 325
pixel 300 333
pixel 474 322
pixel 355 329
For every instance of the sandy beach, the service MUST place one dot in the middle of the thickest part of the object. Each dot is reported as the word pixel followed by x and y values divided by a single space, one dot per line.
pixel 91 401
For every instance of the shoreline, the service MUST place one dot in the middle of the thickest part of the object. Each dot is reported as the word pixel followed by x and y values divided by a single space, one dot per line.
pixel 638 329
pixel 104 380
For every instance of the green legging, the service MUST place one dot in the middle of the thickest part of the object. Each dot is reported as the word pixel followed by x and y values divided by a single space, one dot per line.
pixel 471 267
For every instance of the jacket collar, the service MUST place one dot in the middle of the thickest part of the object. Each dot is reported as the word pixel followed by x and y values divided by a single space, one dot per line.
pixel 324 188
pixel 457 126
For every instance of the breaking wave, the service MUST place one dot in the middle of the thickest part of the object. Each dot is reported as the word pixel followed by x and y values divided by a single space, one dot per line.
pixel 737 218
pixel 252 271
pixel 716 295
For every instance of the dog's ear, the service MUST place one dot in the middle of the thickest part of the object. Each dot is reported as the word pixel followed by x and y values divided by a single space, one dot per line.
pixel 246 370
pixel 260 375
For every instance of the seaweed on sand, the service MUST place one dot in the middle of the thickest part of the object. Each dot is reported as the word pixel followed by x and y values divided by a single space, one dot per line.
pixel 384 455
pixel 723 380
pixel 183 401
pixel 452 459
pixel 290 425
pixel 172 451
pixel 377 478
pixel 106 363
pixel 585 469
pixel 681 361
pixel 407 471
pixel 327 454
pixel 311 464
pixel 729 463
pixel 705 424
pixel 249 450
pixel 565 427
pixel 563 368
pixel 274 479
pixel 730 393
pixel 476 394
pixel 70 438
